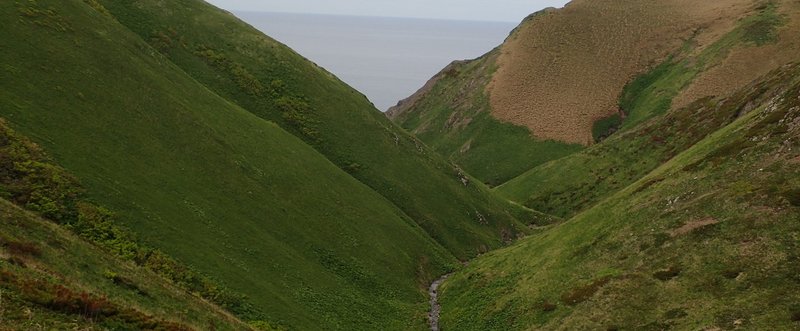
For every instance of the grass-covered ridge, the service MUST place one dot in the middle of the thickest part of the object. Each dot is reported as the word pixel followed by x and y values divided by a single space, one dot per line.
pixel 235 197
pixel 569 185
pixel 274 83
pixel 452 115
pixel 706 241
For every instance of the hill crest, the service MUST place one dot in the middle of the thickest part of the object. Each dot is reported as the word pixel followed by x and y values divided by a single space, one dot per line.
pixel 565 69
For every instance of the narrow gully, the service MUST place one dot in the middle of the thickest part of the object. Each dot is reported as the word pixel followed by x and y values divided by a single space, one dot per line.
pixel 436 309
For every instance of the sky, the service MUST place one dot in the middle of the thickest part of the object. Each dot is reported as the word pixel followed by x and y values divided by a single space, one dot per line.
pixel 471 10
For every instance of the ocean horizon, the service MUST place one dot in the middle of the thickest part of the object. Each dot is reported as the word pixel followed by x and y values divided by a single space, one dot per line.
pixel 386 58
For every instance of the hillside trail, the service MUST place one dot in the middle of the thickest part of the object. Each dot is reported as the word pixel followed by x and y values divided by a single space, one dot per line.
pixel 436 308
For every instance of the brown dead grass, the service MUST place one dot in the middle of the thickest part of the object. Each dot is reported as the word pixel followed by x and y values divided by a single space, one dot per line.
pixel 745 63
pixel 565 69
pixel 693 225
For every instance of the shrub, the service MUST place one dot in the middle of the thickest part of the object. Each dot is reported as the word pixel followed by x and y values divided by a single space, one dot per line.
pixel 548 306
pixel 793 196
pixel 30 180
pixel 297 113
pixel 22 248
pixel 605 127
pixel 99 309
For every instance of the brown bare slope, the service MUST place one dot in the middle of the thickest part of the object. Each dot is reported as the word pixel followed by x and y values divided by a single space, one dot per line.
pixel 560 79
pixel 746 62
pixel 565 69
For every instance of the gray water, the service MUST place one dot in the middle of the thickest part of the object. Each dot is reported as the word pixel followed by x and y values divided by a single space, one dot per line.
pixel 387 59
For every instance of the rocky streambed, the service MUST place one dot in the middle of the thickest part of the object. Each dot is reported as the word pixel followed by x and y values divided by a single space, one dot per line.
pixel 436 308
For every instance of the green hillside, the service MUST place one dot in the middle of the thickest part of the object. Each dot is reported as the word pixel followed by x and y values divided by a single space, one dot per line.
pixel 165 166
pixel 567 186
pixel 269 80
pixel 233 196
pixel 708 240
pixel 52 280
pixel 452 115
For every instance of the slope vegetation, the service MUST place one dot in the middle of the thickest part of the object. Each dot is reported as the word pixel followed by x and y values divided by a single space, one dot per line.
pixel 272 82
pixel 563 70
pixel 708 240
pixel 567 186
pixel 43 289
pixel 88 272
pixel 578 75
pixel 236 197
pixel 451 114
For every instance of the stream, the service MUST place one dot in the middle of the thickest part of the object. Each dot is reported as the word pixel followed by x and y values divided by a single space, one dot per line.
pixel 436 308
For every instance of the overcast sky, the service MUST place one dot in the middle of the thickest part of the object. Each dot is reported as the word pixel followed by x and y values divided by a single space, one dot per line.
pixel 475 10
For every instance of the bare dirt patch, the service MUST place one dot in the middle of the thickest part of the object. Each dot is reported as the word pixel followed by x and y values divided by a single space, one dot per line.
pixel 564 69
pixel 693 225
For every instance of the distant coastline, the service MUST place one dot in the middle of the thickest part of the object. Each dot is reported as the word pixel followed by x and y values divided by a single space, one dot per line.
pixel 386 58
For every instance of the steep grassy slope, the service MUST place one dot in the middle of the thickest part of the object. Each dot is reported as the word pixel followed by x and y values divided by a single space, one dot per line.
pixel 30 180
pixel 232 195
pixel 709 240
pixel 569 185
pixel 655 57
pixel 51 280
pixel 451 114
pixel 271 81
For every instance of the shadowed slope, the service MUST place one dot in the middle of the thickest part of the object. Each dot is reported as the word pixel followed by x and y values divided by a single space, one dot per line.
pixel 271 81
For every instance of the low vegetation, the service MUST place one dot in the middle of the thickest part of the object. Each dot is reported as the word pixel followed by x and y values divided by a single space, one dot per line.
pixel 243 206
pixel 549 79
pixel 272 82
pixel 30 179
pixel 653 93
pixel 708 240
pixel 165 166
pixel 452 115
pixel 567 186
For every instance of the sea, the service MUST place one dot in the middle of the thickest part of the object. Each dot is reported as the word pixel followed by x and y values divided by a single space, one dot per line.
pixel 387 59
